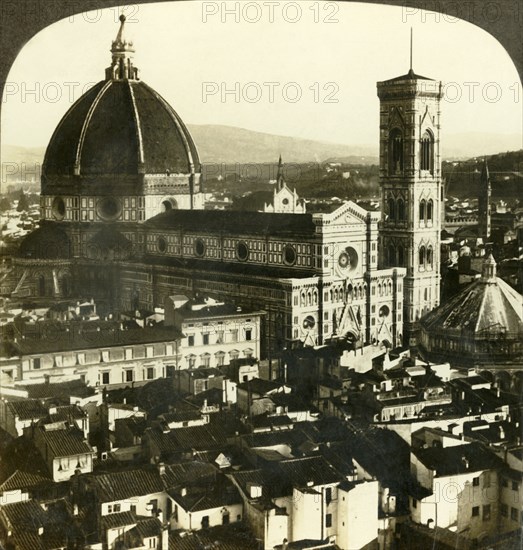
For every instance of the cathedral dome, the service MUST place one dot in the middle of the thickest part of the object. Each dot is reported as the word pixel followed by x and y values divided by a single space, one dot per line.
pixel 48 242
pixel 481 324
pixel 119 127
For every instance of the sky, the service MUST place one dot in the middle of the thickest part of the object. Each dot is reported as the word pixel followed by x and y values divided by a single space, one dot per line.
pixel 306 69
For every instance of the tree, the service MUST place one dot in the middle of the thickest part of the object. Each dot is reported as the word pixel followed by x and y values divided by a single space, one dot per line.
pixel 5 204
pixel 23 202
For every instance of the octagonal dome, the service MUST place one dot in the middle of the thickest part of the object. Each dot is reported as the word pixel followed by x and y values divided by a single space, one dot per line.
pixel 119 127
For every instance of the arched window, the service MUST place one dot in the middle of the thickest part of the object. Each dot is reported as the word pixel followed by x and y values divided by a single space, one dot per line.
pixel 401 256
pixel 349 292
pixel 391 255
pixel 395 151
pixel 401 210
pixel 41 285
pixel 302 299
pixel 379 289
pixel 422 256
pixel 430 209
pixel 422 210
pixel 391 209
pixel 429 256
pixel 427 152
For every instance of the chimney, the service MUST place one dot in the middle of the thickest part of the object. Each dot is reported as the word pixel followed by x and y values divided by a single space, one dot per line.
pixel 183 492
pixel 466 462
pixel 284 544
pixel 161 468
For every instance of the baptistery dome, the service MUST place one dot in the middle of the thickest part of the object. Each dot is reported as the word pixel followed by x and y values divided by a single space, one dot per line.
pixel 481 325
pixel 120 139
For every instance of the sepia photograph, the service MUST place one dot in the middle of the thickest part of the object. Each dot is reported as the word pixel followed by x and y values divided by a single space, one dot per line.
pixel 261 275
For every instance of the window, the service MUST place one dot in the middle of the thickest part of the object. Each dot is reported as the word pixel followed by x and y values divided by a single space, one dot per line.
pixel 504 510
pixel 395 151
pixel 105 378
pixel 422 255
pixel 486 512
pixel 234 335
pixel 248 334
pixel 226 518
pixel 219 337
pixel 430 209
pixel 205 339
pixel 150 373
pixel 149 352
pixel 36 363
pixel 328 495
pixel 328 520
pixel 401 256
pixel 514 514
pixel 190 340
pixel 191 361
pixel 414 503
pixel 239 517
pixel 205 360
pixel 401 210
pixel 475 482
pixel 427 152
pixel 475 511
pixel 129 375
pixel 515 486
pixel 391 209
pixel 504 482
pixel 205 522
pixel 422 210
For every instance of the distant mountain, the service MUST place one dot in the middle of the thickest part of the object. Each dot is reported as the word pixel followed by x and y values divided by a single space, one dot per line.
pixel 233 145
pixel 471 144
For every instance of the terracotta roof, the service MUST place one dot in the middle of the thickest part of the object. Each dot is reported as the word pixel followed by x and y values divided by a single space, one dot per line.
pixel 67 442
pixel 108 128
pixel 459 459
pixel 28 409
pixel 115 486
pixel 235 222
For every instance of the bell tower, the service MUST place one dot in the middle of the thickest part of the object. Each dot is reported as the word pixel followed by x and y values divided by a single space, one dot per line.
pixel 410 182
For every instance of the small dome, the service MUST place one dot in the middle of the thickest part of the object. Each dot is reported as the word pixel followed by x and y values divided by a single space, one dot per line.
pixel 481 324
pixel 48 242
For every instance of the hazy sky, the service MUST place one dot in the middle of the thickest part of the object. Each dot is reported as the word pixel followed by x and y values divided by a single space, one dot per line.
pixel 181 52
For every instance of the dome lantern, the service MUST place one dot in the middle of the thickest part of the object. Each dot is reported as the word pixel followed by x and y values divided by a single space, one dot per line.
pixel 122 50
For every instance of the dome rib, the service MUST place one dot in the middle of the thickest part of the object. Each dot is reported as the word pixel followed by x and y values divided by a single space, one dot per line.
pixel 85 125
pixel 183 132
pixel 139 136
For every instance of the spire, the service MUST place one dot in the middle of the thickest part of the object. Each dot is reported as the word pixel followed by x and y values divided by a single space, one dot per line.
pixel 280 182
pixel 122 51
pixel 485 176
pixel 488 273
pixel 484 210
pixel 411 72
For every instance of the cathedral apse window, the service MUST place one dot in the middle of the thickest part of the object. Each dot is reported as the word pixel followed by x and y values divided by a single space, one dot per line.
pixel 289 255
pixel 58 208
pixel 395 151
pixel 422 255
pixel 108 208
pixel 242 251
pixel 161 244
pixel 427 152
pixel 199 248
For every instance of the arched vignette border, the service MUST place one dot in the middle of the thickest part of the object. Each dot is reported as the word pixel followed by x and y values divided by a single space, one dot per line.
pixel 21 20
